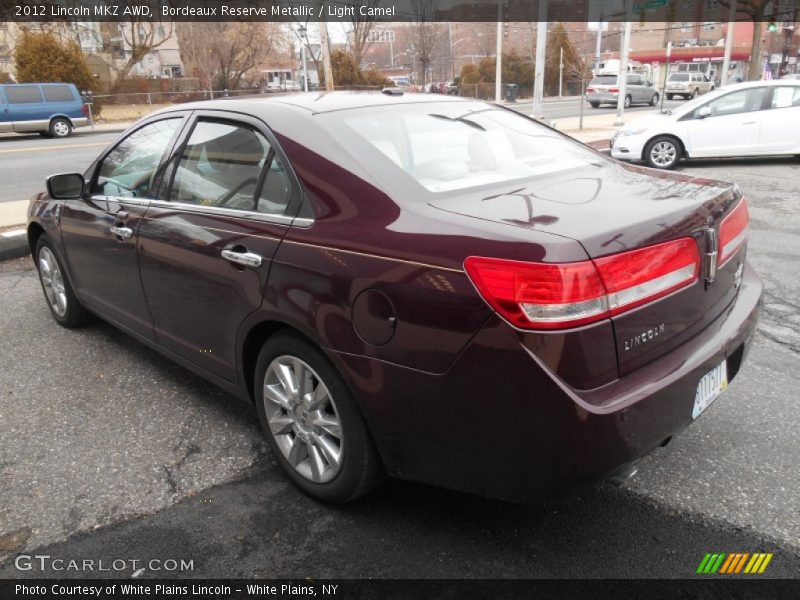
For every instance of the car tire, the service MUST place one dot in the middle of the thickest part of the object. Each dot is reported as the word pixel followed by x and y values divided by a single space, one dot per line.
pixel 60 128
pixel 654 100
pixel 595 104
pixel 61 300
pixel 628 101
pixel 301 429
pixel 662 152
pixel 669 96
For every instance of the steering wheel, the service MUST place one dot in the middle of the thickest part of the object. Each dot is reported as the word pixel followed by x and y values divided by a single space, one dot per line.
pixel 223 200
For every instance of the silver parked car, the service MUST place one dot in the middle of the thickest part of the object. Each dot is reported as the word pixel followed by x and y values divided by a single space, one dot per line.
pixel 604 89
pixel 688 85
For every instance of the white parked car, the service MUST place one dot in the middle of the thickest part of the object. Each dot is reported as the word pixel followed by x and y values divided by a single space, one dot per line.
pixel 758 118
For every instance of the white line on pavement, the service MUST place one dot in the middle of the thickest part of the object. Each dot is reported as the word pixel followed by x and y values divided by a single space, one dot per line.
pixel 12 233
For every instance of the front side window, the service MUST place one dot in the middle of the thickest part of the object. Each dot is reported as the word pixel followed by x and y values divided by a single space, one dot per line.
pixel 446 147
pixel 130 169
pixel 231 166
pixel 742 101
pixel 23 94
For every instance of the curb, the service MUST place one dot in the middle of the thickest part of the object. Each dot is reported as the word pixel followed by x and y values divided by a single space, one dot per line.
pixel 14 247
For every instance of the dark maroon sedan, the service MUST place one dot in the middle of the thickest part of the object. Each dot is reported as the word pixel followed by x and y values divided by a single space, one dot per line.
pixel 431 288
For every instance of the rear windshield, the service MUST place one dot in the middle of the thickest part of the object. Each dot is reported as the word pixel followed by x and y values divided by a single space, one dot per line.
pixel 453 146
pixel 679 77
pixel 604 80
pixel 58 93
pixel 23 94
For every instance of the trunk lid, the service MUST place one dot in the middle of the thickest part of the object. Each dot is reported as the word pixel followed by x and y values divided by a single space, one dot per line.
pixel 610 208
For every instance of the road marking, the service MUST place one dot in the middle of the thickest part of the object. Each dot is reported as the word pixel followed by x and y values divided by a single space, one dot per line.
pixel 13 233
pixel 43 148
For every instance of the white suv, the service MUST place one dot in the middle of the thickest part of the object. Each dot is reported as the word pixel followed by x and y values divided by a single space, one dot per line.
pixel 688 85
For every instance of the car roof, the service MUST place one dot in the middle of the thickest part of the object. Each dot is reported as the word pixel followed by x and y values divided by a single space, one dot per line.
pixel 771 82
pixel 321 102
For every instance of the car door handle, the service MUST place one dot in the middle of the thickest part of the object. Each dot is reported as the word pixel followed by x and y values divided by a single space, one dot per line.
pixel 248 259
pixel 123 232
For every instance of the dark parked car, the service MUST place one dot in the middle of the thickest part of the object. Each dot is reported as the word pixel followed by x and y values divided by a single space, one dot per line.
pixel 434 288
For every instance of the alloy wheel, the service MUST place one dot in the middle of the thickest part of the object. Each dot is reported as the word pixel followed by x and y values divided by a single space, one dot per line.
pixel 52 282
pixel 61 128
pixel 663 154
pixel 303 419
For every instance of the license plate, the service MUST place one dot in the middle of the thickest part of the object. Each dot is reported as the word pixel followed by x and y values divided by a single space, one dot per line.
pixel 710 387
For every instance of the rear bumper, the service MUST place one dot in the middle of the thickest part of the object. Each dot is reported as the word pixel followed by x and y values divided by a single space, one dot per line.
pixel 602 98
pixel 502 424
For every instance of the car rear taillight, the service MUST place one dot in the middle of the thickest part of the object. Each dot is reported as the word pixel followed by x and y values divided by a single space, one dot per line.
pixel 614 90
pixel 641 276
pixel 590 90
pixel 85 110
pixel 733 232
pixel 557 296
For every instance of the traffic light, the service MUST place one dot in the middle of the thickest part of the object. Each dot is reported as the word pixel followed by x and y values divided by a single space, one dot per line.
pixel 772 26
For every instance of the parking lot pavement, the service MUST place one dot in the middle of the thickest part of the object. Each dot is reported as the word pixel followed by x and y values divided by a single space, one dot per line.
pixel 97 429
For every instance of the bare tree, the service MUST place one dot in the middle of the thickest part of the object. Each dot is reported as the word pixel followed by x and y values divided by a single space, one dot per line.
pixel 756 10
pixel 361 27
pixel 236 48
pixel 140 37
pixel 426 34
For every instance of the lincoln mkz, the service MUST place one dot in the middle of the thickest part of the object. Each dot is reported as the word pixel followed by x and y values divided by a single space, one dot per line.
pixel 429 288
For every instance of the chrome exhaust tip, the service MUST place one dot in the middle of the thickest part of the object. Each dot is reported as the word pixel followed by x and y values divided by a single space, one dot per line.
pixel 622 474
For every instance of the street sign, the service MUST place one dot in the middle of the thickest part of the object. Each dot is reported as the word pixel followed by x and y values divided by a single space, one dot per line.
pixel 775 59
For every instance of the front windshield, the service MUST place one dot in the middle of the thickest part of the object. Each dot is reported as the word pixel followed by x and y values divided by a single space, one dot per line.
pixel 454 146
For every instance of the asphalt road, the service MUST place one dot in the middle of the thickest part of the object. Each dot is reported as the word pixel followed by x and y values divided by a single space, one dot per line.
pixel 109 451
pixel 27 160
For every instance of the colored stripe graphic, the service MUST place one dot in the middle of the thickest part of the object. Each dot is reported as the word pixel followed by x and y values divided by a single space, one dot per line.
pixel 733 563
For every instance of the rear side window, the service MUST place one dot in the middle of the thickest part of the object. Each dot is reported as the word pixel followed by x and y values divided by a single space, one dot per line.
pixel 23 94
pixel 58 93
pixel 230 165
pixel 785 97
pixel 634 80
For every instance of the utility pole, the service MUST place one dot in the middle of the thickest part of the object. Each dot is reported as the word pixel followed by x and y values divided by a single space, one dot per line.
pixel 537 110
pixel 599 46
pixel 498 63
pixel 303 40
pixel 666 75
pixel 561 72
pixel 623 66
pixel 326 55
pixel 726 61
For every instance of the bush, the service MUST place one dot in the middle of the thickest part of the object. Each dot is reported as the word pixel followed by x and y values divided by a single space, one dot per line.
pixel 43 58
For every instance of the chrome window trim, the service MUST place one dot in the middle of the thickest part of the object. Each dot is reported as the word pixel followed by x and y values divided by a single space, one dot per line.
pixel 212 210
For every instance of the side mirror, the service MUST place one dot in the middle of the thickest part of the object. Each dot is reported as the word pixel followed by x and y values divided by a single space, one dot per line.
pixel 68 186
pixel 703 112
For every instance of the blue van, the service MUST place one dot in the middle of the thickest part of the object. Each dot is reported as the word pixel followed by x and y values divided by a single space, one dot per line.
pixel 52 109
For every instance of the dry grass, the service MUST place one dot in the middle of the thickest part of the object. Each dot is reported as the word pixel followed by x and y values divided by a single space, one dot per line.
pixel 116 113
